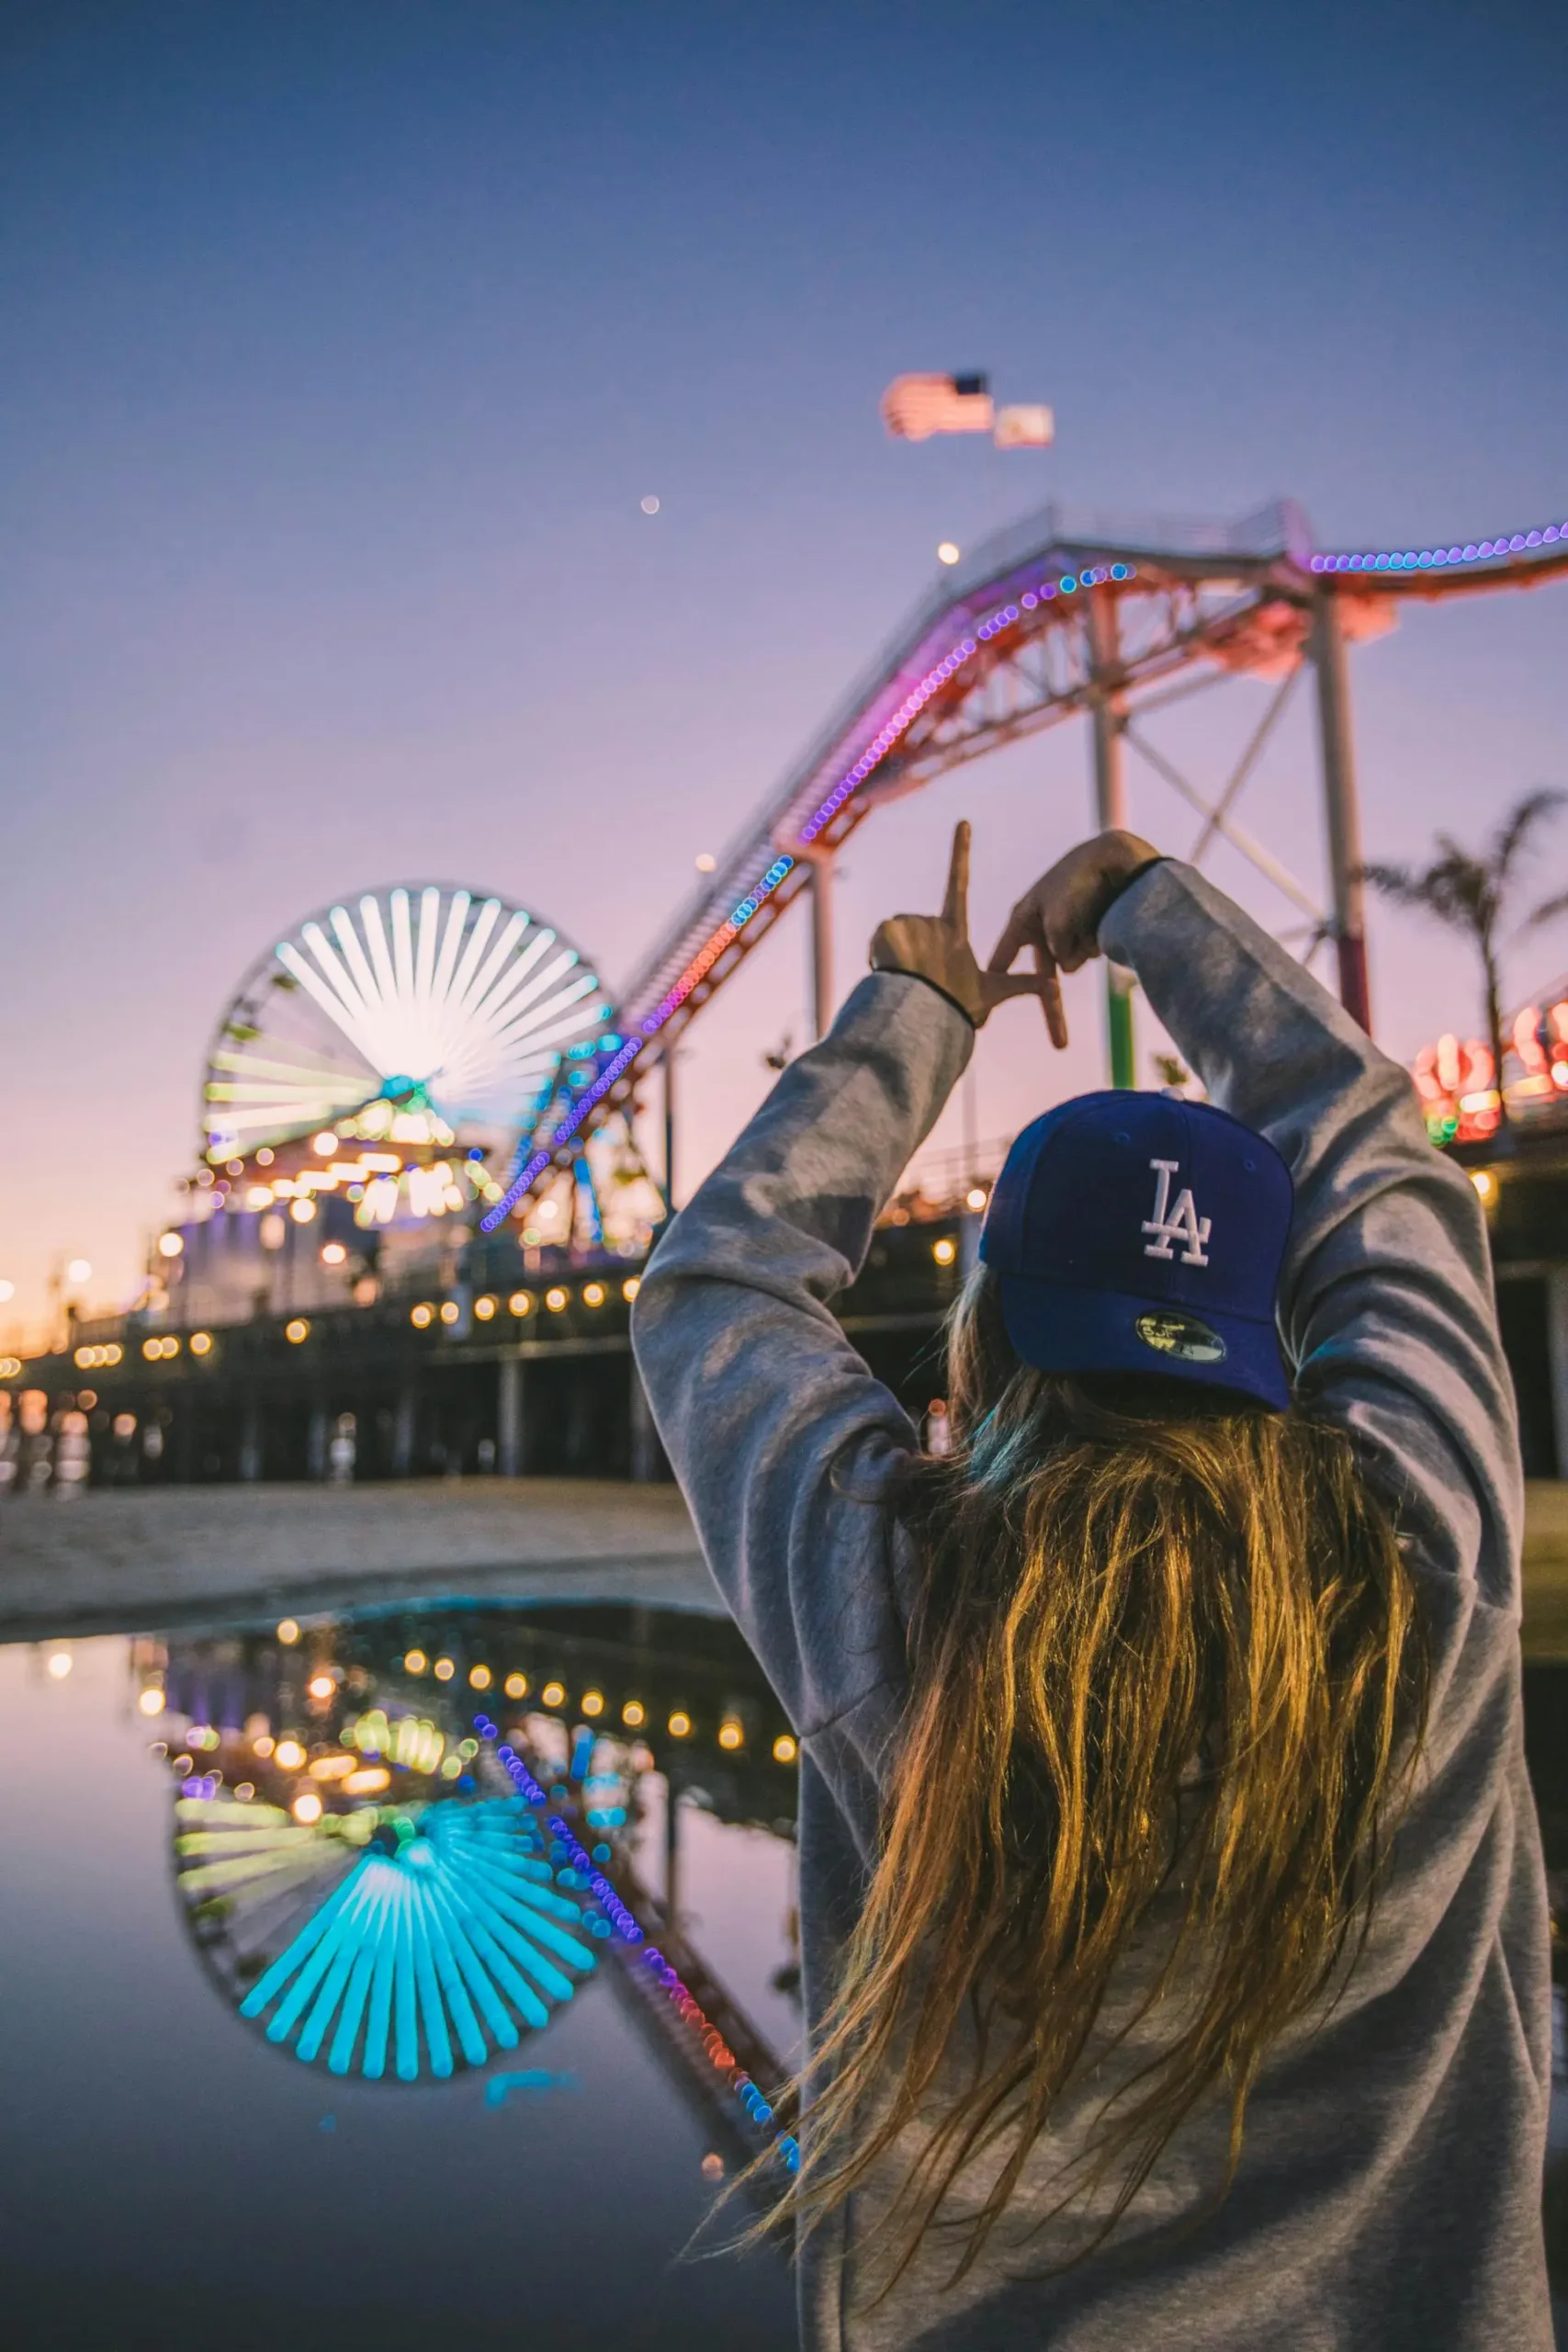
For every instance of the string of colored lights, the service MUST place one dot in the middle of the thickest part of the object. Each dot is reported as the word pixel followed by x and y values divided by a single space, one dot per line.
pixel 687 2007
pixel 721 2057
pixel 1443 559
pixel 1066 583
pixel 523 1780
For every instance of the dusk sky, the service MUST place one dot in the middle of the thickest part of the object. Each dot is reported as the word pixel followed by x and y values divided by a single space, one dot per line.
pixel 342 342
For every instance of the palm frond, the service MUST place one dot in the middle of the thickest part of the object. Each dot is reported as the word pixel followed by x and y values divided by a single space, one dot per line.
pixel 1470 889
pixel 1524 818
pixel 1548 912
pixel 1452 890
pixel 1404 884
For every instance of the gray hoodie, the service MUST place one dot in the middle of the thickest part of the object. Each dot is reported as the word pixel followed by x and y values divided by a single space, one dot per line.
pixel 1389 2189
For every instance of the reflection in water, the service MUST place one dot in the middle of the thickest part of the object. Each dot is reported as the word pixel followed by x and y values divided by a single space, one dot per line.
pixel 447 1926
pixel 401 1844
pixel 144 2116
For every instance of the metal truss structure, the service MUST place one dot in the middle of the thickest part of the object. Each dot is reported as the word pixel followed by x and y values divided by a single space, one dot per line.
pixel 1066 613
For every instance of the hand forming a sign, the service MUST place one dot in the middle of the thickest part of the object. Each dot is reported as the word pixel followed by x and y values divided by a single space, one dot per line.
pixel 936 948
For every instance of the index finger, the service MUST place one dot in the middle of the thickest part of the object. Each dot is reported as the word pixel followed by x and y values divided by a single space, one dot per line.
pixel 956 905
pixel 1051 997
pixel 1021 927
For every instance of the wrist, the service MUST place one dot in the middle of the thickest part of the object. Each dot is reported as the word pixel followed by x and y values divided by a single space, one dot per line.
pixel 1126 853
pixel 1117 883
pixel 889 968
pixel 945 993
pixel 920 948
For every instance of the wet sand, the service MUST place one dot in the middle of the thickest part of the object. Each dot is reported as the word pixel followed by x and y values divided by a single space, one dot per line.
pixel 170 1556
pixel 108 1561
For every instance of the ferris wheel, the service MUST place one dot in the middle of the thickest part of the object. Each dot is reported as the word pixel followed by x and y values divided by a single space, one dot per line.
pixel 422 1012
pixel 404 1937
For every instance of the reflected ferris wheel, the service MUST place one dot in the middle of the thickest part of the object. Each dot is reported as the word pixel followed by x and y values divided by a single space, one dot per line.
pixel 416 1014
pixel 398 1939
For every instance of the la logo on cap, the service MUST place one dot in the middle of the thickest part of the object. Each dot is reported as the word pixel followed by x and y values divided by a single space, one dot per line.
pixel 1181 1223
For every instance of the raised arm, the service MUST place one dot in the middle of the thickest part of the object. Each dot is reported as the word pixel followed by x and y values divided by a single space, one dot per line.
pixel 780 1437
pixel 1386 1297
pixel 778 1432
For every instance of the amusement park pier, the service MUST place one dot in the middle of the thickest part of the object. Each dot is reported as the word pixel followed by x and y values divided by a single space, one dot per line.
pixel 417 1210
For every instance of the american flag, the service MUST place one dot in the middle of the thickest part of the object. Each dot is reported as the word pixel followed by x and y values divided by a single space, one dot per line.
pixel 914 407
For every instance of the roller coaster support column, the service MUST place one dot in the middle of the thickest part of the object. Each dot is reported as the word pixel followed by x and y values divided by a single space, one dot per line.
pixel 1342 810
pixel 671 1854
pixel 819 856
pixel 1111 808
pixel 822 943
pixel 509 1417
pixel 643 1453
pixel 666 1061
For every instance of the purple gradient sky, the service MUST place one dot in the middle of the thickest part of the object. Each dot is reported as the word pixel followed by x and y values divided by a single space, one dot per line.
pixel 341 344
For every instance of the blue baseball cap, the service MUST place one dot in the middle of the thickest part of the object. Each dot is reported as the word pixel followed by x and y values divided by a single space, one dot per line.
pixel 1141 1233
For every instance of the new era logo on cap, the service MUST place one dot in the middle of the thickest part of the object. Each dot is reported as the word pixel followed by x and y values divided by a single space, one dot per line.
pixel 1141 1233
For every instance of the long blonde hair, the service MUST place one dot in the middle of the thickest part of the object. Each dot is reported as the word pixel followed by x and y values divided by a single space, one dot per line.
pixel 1163 1640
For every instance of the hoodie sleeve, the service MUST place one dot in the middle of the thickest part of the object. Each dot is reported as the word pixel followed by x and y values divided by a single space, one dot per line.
pixel 1386 1300
pixel 782 1439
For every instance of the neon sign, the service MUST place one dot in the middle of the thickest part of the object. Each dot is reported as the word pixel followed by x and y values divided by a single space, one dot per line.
pixel 1457 1078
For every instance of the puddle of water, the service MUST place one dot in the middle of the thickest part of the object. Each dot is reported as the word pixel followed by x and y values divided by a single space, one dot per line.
pixel 471 2103
pixel 374 2052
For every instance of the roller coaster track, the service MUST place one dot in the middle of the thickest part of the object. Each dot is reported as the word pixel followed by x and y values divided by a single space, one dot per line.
pixel 1006 645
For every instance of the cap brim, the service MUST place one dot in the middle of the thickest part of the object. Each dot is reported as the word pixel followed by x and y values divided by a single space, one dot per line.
pixel 1057 1328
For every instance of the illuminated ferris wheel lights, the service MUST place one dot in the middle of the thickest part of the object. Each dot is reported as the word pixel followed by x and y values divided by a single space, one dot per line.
pixel 433 1020
pixel 461 1040
pixel 457 1022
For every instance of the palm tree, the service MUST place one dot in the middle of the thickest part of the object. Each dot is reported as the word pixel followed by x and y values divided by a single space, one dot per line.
pixel 1472 891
